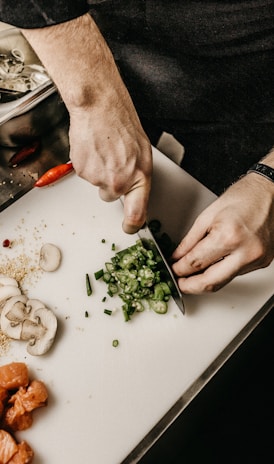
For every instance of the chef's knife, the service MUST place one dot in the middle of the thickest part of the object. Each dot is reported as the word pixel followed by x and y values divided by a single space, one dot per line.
pixel 149 241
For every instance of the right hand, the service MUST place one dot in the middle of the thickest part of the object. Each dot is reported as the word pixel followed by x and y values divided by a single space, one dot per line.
pixel 108 146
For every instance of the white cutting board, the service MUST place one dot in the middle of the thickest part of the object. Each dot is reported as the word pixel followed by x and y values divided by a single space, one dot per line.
pixel 104 400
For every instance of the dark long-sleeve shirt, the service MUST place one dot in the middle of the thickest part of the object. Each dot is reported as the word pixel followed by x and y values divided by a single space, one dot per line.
pixel 39 13
pixel 201 69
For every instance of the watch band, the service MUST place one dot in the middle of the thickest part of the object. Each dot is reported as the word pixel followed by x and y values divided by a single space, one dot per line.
pixel 263 170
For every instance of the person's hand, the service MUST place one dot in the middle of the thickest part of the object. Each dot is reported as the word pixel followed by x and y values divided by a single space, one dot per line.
pixel 233 236
pixel 109 149
pixel 108 146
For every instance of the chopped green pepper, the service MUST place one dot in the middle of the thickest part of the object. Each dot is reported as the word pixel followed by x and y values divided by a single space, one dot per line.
pixel 112 289
pixel 158 306
pixel 99 274
pixel 108 312
pixel 138 276
pixel 88 285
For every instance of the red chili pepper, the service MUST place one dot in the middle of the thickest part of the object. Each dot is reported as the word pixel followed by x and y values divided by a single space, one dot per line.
pixel 24 153
pixel 54 174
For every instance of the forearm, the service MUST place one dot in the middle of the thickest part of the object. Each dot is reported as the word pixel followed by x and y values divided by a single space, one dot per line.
pixel 77 58
pixel 108 146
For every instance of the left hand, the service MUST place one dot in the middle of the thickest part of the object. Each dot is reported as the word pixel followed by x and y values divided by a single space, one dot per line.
pixel 233 236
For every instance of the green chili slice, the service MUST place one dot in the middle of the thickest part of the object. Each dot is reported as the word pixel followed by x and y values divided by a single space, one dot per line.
pixel 108 312
pixel 137 275
pixel 88 285
pixel 99 274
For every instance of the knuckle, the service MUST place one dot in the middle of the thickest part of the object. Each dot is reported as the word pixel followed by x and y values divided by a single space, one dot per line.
pixel 260 255
pixel 196 264
pixel 230 237
pixel 258 251
pixel 192 262
pixel 210 287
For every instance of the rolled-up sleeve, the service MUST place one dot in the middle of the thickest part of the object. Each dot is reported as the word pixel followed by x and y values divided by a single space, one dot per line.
pixel 40 13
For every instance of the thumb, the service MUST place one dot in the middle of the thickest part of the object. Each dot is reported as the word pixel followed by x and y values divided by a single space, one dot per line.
pixel 135 209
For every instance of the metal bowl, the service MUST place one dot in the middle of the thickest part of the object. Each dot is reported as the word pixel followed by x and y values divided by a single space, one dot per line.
pixel 29 114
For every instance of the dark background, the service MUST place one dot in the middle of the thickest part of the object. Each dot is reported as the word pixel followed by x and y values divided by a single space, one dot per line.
pixel 231 420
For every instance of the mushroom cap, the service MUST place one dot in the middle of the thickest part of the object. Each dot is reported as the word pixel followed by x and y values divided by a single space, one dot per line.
pixel 32 305
pixel 50 257
pixel 5 280
pixel 13 315
pixel 8 291
pixel 43 331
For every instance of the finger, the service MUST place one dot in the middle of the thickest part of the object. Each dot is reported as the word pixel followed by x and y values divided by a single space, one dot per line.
pixel 107 195
pixel 212 279
pixel 199 258
pixel 135 209
pixel 197 233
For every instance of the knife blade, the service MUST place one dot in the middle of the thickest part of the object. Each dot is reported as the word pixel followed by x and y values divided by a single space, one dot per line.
pixel 149 241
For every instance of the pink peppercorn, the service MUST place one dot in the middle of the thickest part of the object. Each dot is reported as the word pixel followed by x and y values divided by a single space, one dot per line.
pixel 6 243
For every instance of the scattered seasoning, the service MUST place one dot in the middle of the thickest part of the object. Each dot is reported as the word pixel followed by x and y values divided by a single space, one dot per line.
pixel 6 243
pixel 104 299
pixel 4 344
pixel 23 265
pixel 21 269
pixel 103 240
pixel 88 285
pixel 108 312
pixel 86 314
pixel 113 247
pixel 115 343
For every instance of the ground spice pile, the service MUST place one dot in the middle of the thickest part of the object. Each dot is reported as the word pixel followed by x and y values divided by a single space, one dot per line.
pixel 4 344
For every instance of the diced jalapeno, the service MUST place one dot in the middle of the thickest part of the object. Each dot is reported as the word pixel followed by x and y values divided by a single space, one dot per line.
pixel 137 275
pixel 158 306
pixel 112 289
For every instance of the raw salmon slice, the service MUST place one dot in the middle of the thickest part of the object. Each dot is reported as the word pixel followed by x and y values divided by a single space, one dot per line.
pixel 8 447
pixel 14 375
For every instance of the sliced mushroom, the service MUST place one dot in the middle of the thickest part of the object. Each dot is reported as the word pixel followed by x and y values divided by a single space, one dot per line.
pixel 17 312
pixel 31 330
pixel 5 280
pixel 7 292
pixel 8 288
pixel 32 305
pixel 50 257
pixel 13 315
pixel 29 320
pixel 40 331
